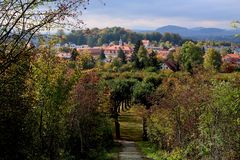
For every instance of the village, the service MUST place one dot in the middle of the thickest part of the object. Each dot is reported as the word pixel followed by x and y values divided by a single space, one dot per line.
pixel 111 51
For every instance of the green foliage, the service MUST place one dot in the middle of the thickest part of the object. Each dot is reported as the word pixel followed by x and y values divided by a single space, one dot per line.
pixel 153 62
pixel 102 56
pixel 95 36
pixel 51 86
pixel 225 51
pixel 212 60
pixel 219 124
pixel 86 60
pixel 74 54
pixel 15 105
pixel 141 92
pixel 89 130
pixel 142 58
pixel 171 38
pixel 122 56
pixel 152 151
pixel 191 56
pixel 116 64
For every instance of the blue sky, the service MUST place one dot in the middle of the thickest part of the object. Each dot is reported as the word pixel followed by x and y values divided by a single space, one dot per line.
pixel 151 14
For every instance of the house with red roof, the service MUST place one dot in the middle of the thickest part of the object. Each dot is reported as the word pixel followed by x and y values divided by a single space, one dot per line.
pixel 232 59
pixel 94 51
pixel 112 50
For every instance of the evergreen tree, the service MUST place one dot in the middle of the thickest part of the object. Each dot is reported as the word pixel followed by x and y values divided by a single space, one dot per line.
pixel 102 55
pixel 122 56
pixel 135 51
pixel 142 57
pixel 153 62
pixel 74 54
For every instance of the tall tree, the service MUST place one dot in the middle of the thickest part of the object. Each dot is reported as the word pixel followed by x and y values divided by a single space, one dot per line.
pixel 134 57
pixel 191 56
pixel 51 84
pixel 121 91
pixel 122 56
pixel 142 57
pixel 20 22
pixel 141 94
pixel 15 106
pixel 153 62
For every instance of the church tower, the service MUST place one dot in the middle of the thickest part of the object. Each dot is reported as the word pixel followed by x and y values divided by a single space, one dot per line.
pixel 120 42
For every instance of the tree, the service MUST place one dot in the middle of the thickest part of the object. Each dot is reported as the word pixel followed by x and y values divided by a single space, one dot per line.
pixel 219 123
pixel 141 94
pixel 225 51
pixel 20 22
pixel 191 56
pixel 212 60
pixel 134 57
pixel 86 60
pixel 102 55
pixel 89 129
pixel 153 62
pixel 74 54
pixel 121 91
pixel 15 106
pixel 142 57
pixel 122 56
pixel 236 24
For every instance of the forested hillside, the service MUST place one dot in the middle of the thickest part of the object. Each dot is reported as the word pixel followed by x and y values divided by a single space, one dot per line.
pixel 98 37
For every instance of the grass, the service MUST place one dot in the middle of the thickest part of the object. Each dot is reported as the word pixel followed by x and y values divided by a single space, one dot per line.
pixel 130 125
pixel 113 153
pixel 154 153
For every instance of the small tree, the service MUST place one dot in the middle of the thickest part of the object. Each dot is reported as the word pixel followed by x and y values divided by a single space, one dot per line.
pixel 102 55
pixel 74 54
pixel 142 57
pixel 86 60
pixel 153 62
pixel 212 60
pixel 122 56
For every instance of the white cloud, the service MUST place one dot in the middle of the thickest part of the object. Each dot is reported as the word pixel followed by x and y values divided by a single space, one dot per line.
pixel 102 21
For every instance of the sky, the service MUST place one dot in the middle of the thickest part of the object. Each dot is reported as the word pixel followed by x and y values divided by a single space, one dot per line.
pixel 151 14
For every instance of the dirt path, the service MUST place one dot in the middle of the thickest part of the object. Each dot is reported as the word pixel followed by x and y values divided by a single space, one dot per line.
pixel 130 151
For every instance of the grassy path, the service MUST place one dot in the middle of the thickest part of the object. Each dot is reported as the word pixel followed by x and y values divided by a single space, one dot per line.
pixel 131 132
pixel 131 125
pixel 130 151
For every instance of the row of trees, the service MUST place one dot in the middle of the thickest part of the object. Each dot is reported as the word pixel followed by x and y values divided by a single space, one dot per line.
pixel 191 57
pixel 196 117
pixel 98 37
pixel 49 110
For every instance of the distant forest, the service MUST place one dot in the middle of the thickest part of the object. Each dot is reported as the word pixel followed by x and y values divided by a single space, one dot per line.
pixel 98 37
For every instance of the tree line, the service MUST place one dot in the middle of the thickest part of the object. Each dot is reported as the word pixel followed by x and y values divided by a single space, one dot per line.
pixel 98 37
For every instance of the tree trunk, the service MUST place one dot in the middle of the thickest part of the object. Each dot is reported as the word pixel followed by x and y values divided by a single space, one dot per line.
pixel 117 128
pixel 145 136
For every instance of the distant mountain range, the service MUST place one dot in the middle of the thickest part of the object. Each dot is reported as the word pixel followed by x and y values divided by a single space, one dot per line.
pixel 201 33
